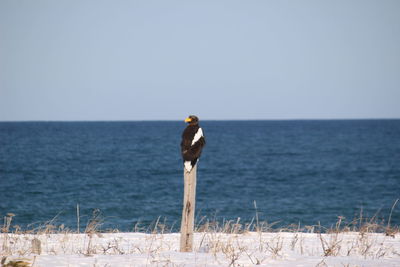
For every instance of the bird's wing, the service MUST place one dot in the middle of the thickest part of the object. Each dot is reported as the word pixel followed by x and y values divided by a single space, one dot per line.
pixel 197 136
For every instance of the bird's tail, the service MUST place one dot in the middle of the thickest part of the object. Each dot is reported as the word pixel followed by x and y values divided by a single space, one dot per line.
pixel 188 166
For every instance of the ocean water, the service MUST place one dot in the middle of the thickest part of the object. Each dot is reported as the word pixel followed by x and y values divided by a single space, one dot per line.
pixel 305 172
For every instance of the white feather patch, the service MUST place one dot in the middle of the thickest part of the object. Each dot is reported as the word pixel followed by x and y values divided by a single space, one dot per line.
pixel 197 136
pixel 188 166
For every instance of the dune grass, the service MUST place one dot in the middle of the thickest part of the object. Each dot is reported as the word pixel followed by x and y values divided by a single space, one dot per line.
pixel 230 242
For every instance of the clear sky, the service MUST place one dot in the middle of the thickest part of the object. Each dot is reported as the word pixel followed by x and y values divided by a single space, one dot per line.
pixel 164 60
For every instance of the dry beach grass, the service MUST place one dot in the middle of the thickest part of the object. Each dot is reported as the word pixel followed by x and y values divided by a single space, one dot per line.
pixel 360 242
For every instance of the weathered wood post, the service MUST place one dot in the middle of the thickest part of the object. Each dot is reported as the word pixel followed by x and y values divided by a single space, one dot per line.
pixel 189 203
pixel 36 246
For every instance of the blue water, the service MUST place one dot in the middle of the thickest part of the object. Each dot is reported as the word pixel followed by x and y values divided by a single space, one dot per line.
pixel 296 171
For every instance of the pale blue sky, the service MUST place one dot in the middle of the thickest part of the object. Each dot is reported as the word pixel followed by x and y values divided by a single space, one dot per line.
pixel 163 60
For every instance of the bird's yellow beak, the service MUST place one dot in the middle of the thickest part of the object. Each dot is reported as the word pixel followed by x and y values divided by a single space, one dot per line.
pixel 188 120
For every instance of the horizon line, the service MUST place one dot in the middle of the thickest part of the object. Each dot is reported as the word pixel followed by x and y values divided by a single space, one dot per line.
pixel 175 120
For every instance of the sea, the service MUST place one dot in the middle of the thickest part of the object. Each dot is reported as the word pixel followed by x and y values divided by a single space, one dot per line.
pixel 129 174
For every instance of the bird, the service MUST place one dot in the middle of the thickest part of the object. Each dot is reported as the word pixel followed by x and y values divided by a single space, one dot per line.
pixel 192 144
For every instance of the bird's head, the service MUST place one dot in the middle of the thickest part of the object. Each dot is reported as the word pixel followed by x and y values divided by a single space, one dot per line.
pixel 192 120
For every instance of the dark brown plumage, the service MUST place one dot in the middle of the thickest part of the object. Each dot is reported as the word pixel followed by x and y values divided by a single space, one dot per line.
pixel 192 143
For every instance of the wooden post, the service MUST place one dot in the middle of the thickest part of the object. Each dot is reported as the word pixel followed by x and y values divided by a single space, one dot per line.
pixel 189 201
pixel 36 246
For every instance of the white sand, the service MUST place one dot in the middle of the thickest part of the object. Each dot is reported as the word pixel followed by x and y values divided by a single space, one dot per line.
pixel 211 249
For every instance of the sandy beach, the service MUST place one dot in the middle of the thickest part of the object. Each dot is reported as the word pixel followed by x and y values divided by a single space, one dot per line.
pixel 210 249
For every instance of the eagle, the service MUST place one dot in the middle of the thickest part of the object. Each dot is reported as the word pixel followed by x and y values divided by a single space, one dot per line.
pixel 192 143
